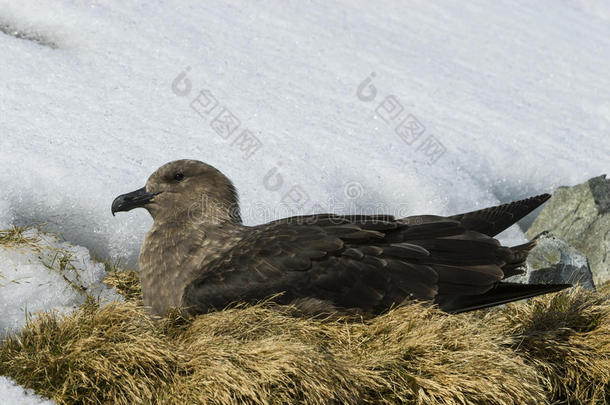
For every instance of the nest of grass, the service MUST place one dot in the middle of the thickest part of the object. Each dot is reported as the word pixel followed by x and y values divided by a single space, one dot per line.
pixel 552 349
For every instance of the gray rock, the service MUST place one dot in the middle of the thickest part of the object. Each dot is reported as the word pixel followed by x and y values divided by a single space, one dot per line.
pixel 554 261
pixel 580 215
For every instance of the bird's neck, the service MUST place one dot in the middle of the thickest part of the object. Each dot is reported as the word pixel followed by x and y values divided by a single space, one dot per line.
pixel 197 215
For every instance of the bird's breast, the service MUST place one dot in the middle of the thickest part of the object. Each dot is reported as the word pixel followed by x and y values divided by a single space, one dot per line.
pixel 161 259
pixel 170 261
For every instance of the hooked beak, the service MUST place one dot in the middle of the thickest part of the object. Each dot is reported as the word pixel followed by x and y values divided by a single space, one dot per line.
pixel 135 199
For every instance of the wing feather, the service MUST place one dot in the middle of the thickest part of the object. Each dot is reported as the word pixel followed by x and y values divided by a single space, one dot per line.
pixel 493 220
pixel 364 262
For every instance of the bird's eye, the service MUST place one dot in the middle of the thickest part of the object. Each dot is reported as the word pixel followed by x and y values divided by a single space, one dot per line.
pixel 178 176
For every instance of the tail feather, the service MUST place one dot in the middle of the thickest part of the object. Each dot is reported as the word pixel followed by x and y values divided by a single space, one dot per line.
pixel 515 259
pixel 491 221
pixel 502 293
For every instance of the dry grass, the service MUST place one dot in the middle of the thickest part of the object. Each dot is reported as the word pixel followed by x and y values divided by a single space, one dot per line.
pixel 15 236
pixel 126 282
pixel 551 349
pixel 567 338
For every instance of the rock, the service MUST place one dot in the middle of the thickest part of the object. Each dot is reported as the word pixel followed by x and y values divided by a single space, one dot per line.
pixel 580 215
pixel 554 261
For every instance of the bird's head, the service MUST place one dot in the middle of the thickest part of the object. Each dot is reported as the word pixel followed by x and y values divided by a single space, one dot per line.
pixel 185 189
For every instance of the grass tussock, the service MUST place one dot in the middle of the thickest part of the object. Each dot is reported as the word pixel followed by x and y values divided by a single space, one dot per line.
pixel 567 338
pixel 548 350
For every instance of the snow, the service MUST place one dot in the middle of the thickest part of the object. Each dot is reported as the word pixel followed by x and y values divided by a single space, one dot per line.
pixel 16 395
pixel 92 102
pixel 46 274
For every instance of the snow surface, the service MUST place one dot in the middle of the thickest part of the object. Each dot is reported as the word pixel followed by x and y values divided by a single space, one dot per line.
pixel 11 393
pixel 92 102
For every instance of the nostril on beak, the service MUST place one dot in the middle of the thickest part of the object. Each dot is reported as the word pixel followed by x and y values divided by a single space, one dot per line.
pixel 129 201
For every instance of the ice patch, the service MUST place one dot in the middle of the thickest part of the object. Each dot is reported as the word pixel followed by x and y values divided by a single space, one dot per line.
pixel 38 272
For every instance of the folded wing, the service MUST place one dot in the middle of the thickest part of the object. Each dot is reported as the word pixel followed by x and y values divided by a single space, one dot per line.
pixel 371 263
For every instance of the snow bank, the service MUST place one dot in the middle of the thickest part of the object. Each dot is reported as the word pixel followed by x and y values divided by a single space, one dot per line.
pixel 40 272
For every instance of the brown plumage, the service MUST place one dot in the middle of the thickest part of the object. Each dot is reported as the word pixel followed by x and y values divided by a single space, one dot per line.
pixel 199 255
